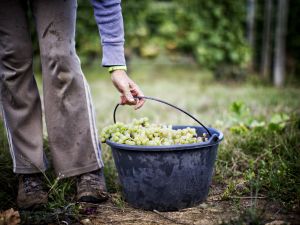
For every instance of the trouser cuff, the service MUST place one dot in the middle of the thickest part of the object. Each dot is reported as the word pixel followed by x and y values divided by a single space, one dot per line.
pixel 78 171
pixel 27 170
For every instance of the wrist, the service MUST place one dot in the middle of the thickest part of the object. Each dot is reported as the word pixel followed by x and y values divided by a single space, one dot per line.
pixel 118 73
pixel 115 68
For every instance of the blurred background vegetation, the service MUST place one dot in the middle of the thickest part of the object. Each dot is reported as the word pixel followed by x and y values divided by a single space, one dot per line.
pixel 231 38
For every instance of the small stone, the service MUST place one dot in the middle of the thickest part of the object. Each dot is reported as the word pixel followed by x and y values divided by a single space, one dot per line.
pixel 204 222
pixel 203 206
pixel 86 222
pixel 214 210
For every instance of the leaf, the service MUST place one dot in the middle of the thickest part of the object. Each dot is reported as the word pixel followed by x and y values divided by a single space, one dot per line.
pixel 239 129
pixel 238 107
pixel 257 125
pixel 274 127
pixel 279 118
pixel 278 121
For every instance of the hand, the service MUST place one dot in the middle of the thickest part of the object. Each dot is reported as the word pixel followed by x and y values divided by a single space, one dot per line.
pixel 127 88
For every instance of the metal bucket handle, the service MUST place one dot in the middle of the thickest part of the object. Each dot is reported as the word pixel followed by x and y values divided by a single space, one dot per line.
pixel 166 103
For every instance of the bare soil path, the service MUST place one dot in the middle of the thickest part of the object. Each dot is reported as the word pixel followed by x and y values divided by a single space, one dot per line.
pixel 213 211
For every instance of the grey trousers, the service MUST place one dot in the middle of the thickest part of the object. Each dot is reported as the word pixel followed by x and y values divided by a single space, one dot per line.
pixel 69 113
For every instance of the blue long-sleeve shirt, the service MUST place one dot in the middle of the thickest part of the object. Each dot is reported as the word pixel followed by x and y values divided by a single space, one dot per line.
pixel 108 15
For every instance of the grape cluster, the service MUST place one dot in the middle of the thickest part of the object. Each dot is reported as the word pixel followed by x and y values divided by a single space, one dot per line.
pixel 141 132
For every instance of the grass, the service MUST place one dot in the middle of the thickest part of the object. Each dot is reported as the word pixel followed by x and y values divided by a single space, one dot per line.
pixel 262 161
pixel 7 191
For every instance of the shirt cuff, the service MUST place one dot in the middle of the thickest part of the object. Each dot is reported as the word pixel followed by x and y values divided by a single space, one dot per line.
pixel 113 55
pixel 113 68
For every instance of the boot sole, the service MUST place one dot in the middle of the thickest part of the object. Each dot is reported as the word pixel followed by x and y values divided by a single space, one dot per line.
pixel 92 199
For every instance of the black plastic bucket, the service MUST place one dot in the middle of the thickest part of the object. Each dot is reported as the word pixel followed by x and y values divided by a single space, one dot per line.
pixel 167 178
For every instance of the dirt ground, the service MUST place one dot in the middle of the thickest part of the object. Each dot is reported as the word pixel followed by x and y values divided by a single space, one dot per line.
pixel 211 212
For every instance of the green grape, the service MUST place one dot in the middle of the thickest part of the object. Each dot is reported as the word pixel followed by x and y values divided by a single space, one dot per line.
pixel 129 142
pixel 142 132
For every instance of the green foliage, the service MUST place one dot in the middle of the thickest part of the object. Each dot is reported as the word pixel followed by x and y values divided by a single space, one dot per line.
pixel 264 154
pixel 61 193
pixel 209 30
pixel 118 200
pixel 238 108
pixel 213 32
pixel 87 35
pixel 110 172
pixel 278 122
pixel 240 121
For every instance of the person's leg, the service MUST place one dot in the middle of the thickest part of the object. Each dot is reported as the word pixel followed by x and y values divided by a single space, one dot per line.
pixel 20 103
pixel 19 97
pixel 69 113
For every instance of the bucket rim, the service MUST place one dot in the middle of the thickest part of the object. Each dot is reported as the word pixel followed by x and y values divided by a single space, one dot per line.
pixel 215 139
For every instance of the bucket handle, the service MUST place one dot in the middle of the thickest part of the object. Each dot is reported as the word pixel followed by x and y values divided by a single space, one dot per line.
pixel 166 103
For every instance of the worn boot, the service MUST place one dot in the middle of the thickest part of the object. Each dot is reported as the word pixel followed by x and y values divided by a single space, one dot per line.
pixel 91 187
pixel 31 193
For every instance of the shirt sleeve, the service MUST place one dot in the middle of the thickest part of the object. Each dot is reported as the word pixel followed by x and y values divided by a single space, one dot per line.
pixel 108 16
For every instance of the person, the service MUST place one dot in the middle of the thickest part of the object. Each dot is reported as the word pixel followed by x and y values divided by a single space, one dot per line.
pixel 68 108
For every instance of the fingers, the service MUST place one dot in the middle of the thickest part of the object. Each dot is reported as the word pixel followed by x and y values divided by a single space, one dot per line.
pixel 138 102
pixel 128 89
pixel 123 100
pixel 135 90
pixel 128 96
